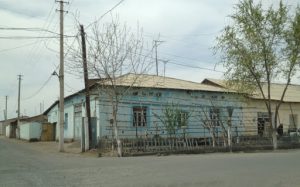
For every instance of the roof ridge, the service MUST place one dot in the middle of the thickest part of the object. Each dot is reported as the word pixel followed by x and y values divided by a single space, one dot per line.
pixel 159 76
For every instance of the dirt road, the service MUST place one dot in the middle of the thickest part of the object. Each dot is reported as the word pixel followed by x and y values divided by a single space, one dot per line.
pixel 33 164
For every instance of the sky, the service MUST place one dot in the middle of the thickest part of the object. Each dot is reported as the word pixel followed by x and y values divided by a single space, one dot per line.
pixel 188 29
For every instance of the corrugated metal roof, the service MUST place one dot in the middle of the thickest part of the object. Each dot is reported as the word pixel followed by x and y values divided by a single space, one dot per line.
pixel 292 94
pixel 153 81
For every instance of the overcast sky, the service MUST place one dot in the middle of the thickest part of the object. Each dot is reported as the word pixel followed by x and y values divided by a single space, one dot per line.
pixel 187 27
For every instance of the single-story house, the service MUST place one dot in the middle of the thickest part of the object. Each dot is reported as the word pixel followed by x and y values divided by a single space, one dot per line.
pixel 144 102
pixel 9 127
pixel 255 113
pixel 28 128
pixel 74 109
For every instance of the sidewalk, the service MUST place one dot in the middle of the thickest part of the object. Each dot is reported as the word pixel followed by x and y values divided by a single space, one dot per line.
pixel 71 148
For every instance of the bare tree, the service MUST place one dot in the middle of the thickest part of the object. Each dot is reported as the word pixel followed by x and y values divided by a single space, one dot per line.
pixel 113 52
pixel 208 124
pixel 211 119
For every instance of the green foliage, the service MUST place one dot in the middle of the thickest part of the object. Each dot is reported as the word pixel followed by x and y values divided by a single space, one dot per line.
pixel 173 118
pixel 261 45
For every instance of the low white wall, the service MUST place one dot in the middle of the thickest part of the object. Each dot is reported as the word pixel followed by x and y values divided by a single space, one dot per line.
pixel 29 131
pixel 7 131
pixel 35 130
pixel 24 131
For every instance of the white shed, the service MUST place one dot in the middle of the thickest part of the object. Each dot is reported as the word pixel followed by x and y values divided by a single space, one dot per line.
pixel 31 131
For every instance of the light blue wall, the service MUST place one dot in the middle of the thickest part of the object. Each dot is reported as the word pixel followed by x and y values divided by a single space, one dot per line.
pixel 156 100
pixel 53 115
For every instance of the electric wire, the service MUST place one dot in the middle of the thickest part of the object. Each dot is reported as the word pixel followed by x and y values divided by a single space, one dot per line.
pixel 39 90
pixel 175 62
pixel 120 2
pixel 17 47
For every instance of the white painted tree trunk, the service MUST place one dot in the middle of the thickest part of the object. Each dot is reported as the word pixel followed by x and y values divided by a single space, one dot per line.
pixel 229 138
pixel 214 141
pixel 274 139
pixel 119 149
pixel 86 134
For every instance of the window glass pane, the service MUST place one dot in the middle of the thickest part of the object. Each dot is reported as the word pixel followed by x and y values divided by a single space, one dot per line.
pixel 139 116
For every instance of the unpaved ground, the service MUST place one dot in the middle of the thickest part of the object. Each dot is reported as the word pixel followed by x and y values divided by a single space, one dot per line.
pixel 51 147
pixel 29 164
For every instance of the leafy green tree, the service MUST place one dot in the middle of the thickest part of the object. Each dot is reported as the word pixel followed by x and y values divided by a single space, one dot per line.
pixel 173 119
pixel 260 46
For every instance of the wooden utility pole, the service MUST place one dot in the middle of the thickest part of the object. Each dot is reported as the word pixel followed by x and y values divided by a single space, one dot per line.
pixel 61 78
pixel 86 83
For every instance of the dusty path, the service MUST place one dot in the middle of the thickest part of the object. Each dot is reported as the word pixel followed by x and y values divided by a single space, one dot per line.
pixel 31 165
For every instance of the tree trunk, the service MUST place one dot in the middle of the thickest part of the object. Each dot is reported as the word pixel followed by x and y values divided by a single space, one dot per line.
pixel 225 139
pixel 119 146
pixel 213 137
pixel 274 139
pixel 229 138
pixel 214 141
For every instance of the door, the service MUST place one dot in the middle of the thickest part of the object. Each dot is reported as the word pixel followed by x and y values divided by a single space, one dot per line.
pixel 77 121
pixel 94 132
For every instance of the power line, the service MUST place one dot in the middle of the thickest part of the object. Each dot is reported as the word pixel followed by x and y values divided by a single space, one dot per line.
pixel 23 28
pixel 179 63
pixel 30 37
pixel 196 67
pixel 170 36
pixel 175 63
pixel 39 90
pixel 106 13
pixel 30 29
pixel 21 46
pixel 35 52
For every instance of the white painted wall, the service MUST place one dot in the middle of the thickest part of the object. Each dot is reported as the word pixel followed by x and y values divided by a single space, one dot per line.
pixel 25 131
pixel 30 131
pixel 7 131
pixel 255 106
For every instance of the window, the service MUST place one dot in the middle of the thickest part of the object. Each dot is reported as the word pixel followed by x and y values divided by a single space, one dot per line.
pixel 214 115
pixel 263 122
pixel 66 121
pixel 139 116
pixel 293 121
pixel 183 118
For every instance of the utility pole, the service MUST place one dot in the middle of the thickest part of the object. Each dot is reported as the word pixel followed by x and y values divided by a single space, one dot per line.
pixel 165 63
pixel 86 83
pixel 61 78
pixel 156 42
pixel 6 97
pixel 19 96
pixel 19 106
